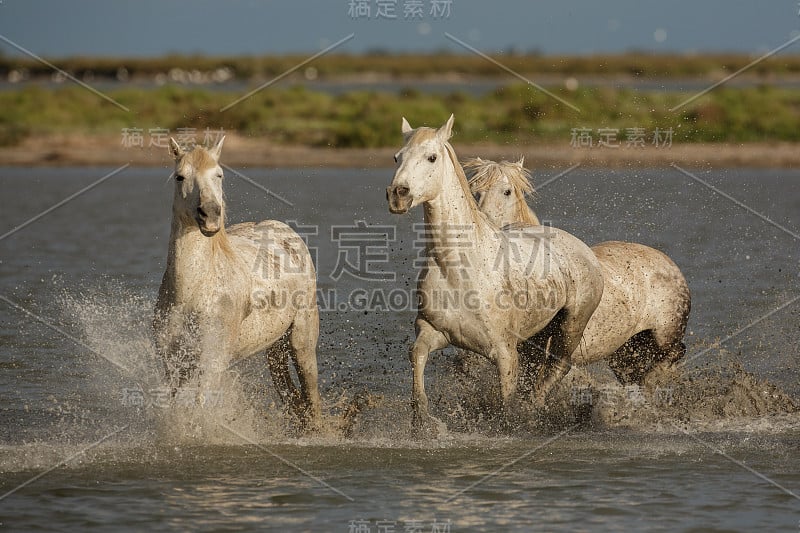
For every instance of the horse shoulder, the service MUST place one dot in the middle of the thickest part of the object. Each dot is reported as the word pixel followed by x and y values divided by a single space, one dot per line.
pixel 554 253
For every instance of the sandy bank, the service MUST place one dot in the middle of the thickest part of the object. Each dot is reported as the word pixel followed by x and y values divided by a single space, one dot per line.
pixel 82 150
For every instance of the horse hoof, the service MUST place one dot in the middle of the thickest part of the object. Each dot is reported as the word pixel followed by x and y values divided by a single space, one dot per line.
pixel 305 421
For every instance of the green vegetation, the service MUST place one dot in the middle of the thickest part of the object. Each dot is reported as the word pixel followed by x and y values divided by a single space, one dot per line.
pixel 512 114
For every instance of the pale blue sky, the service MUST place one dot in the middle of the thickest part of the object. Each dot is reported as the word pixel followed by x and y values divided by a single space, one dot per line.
pixel 223 27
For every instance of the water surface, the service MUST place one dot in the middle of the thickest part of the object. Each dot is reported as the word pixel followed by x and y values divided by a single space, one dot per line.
pixel 721 455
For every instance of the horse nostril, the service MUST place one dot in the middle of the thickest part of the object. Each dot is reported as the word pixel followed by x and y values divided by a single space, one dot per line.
pixel 201 213
pixel 402 191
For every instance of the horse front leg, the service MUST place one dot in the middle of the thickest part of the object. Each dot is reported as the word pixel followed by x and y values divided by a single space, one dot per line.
pixel 303 341
pixel 558 355
pixel 175 350
pixel 216 353
pixel 507 361
pixel 428 340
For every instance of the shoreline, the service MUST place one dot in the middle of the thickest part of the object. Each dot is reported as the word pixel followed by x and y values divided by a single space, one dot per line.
pixel 88 150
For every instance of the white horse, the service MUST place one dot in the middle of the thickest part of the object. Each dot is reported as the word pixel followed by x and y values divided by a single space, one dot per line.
pixel 639 325
pixel 229 293
pixel 481 288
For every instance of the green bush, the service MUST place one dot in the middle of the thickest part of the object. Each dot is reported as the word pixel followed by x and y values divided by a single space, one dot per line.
pixel 295 115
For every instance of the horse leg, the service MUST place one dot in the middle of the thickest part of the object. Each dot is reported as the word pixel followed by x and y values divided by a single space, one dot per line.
pixel 669 349
pixel 567 332
pixel 667 336
pixel 646 353
pixel 278 364
pixel 428 340
pixel 303 341
pixel 180 363
pixel 215 352
pixel 507 360
pixel 533 354
pixel 622 362
pixel 176 349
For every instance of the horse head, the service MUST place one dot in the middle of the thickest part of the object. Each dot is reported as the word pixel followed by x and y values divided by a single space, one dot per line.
pixel 501 190
pixel 198 187
pixel 420 165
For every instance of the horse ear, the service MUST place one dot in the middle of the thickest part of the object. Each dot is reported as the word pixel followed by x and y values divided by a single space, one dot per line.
pixel 521 162
pixel 175 149
pixel 406 127
pixel 216 150
pixel 447 130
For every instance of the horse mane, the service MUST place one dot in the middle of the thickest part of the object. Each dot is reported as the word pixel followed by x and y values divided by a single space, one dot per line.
pixel 486 173
pixel 462 178
pixel 221 243
pixel 199 157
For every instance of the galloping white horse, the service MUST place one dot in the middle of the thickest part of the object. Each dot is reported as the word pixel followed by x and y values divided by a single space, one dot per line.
pixel 641 319
pixel 485 289
pixel 229 293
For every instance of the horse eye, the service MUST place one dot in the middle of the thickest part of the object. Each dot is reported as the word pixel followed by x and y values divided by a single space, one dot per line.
pixel 395 159
pixel 178 177
pixel 507 192
pixel 432 158
pixel 220 176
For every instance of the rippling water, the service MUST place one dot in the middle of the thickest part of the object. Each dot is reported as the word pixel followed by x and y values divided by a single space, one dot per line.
pixel 721 452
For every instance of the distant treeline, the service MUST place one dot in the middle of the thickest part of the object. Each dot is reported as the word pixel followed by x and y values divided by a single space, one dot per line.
pixel 410 65
pixel 515 114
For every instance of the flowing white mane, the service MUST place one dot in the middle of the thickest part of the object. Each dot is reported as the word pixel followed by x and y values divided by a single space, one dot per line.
pixel 485 174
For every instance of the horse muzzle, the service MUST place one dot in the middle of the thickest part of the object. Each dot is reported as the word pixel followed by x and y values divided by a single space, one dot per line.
pixel 208 230
pixel 399 199
pixel 209 218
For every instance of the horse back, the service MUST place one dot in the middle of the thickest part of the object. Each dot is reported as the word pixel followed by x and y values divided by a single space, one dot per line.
pixel 274 246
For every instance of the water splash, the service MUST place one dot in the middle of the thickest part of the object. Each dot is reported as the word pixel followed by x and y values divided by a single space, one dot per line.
pixel 243 409
pixel 116 324
pixel 721 395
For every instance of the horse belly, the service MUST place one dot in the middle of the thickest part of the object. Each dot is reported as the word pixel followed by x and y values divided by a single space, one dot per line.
pixel 534 304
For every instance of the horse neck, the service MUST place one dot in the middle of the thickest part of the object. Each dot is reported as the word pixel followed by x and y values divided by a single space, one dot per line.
pixel 192 256
pixel 446 215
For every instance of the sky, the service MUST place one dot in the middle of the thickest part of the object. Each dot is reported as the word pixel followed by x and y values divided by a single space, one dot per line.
pixel 146 28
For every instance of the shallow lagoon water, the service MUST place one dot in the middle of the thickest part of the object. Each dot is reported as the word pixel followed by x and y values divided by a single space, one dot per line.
pixel 92 267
